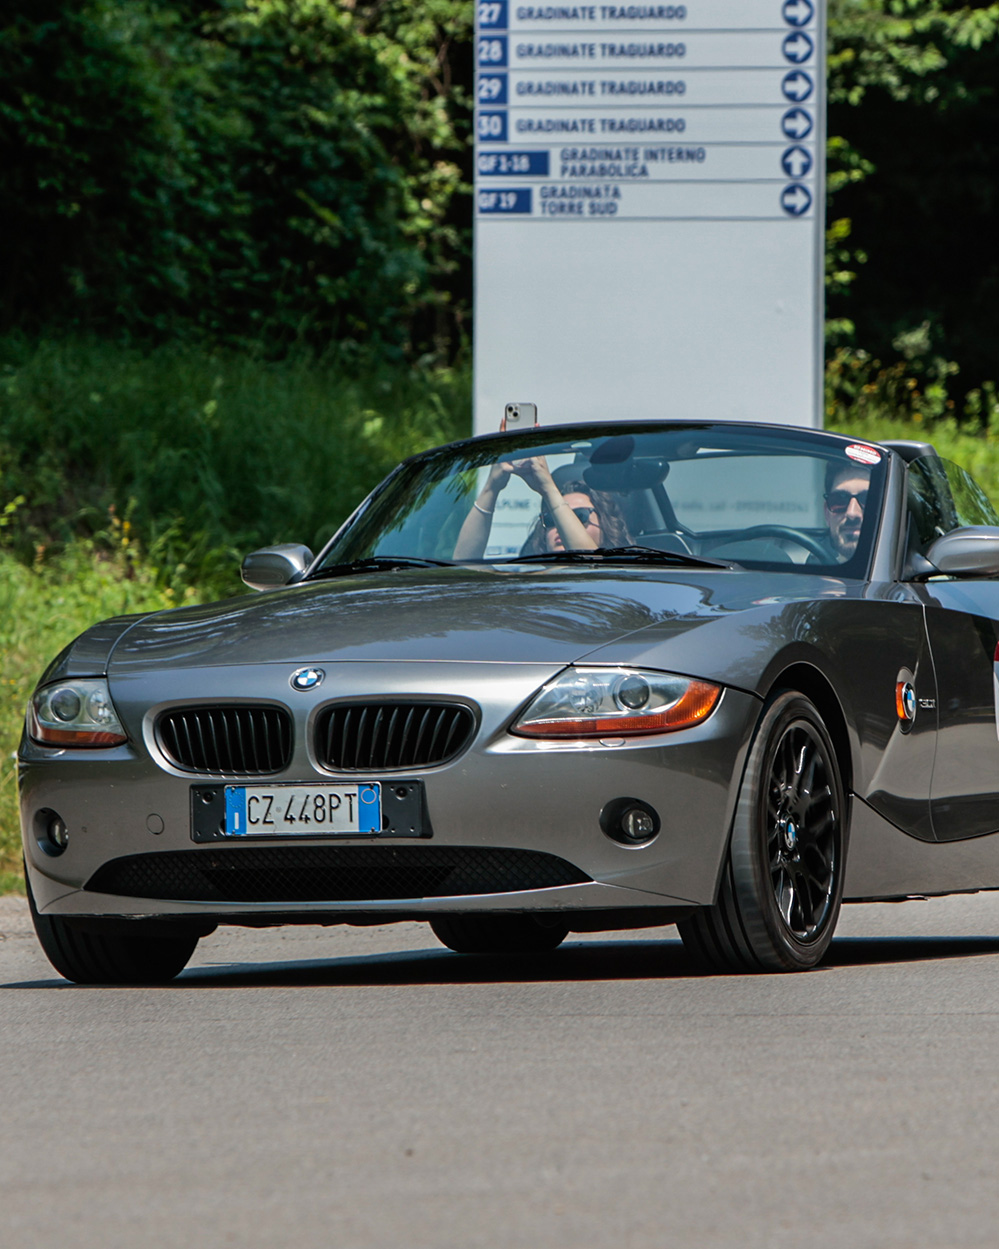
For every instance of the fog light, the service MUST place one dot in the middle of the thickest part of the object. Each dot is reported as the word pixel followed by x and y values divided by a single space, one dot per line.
pixel 630 821
pixel 58 833
pixel 51 833
pixel 637 824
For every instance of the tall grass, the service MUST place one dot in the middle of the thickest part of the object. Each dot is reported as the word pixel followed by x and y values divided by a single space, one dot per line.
pixel 204 454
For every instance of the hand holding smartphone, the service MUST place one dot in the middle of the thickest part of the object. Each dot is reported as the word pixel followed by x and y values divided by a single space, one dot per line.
pixel 519 416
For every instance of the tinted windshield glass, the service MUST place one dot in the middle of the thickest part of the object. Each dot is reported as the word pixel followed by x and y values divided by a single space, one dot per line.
pixel 755 496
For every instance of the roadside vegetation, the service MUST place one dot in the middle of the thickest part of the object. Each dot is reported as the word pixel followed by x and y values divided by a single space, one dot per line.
pixel 203 453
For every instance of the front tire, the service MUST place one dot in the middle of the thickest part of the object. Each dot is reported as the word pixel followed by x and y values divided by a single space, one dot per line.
pixel 782 885
pixel 86 955
pixel 498 934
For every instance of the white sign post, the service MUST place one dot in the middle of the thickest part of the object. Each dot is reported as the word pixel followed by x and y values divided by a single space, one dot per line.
pixel 649 210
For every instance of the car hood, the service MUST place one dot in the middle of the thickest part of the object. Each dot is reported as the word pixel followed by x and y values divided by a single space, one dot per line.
pixel 545 615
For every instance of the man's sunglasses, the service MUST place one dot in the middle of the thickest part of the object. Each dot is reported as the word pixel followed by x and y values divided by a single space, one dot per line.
pixel 582 513
pixel 839 500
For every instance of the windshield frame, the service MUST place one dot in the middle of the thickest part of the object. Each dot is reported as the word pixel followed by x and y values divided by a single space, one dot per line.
pixel 484 449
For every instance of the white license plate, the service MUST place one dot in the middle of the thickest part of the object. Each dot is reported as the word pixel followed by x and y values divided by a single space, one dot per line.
pixel 302 810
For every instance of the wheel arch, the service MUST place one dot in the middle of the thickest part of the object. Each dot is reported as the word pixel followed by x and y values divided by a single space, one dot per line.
pixel 816 687
pixel 804 678
pixel 743 929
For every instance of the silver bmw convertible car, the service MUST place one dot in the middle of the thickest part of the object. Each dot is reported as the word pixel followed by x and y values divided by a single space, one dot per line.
pixel 572 679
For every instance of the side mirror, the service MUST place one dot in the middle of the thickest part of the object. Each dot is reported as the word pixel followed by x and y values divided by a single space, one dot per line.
pixel 275 566
pixel 969 552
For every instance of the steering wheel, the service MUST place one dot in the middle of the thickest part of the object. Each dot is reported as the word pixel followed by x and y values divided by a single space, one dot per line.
pixel 675 542
pixel 812 545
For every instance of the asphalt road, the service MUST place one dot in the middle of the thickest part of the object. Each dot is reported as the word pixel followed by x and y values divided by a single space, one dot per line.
pixel 366 1088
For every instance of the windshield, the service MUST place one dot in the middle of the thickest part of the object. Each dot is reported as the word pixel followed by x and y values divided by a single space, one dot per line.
pixel 755 496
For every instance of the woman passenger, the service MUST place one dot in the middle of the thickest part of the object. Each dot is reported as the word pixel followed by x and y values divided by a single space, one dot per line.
pixel 573 516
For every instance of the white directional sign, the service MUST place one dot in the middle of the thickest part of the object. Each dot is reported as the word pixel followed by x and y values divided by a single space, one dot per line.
pixel 649 208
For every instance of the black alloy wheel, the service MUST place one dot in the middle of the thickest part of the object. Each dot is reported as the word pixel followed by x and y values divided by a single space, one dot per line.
pixel 782 884
pixel 802 845
pixel 92 954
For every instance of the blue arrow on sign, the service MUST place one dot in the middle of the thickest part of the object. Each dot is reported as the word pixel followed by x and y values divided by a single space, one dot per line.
pixel 795 199
pixel 796 123
pixel 796 162
pixel 797 47
pixel 798 12
pixel 797 85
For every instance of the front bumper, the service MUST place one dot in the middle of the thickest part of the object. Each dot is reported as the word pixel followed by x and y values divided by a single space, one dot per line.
pixel 505 793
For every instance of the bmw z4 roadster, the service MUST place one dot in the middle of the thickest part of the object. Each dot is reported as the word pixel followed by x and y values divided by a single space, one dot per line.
pixel 573 679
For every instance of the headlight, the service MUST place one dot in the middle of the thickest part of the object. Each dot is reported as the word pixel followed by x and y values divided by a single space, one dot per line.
pixel 616 702
pixel 74 713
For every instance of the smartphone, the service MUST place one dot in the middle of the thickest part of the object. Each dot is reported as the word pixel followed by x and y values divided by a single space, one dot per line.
pixel 520 416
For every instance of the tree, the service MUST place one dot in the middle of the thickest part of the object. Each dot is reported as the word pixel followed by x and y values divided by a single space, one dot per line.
pixel 914 175
pixel 262 170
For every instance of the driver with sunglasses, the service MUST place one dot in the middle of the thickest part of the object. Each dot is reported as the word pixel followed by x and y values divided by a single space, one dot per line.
pixel 845 500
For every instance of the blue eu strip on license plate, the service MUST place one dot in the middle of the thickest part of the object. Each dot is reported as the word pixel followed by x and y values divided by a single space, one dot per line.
pixel 302 810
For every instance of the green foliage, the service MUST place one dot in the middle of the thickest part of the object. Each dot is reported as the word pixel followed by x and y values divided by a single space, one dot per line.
pixel 203 454
pixel 901 46
pixel 265 170
pixel 914 178
pixel 862 391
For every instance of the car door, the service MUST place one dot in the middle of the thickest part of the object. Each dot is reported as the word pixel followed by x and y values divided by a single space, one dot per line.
pixel 880 659
pixel 962 623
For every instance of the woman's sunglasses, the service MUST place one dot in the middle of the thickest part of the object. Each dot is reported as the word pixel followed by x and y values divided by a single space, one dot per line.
pixel 582 513
pixel 839 500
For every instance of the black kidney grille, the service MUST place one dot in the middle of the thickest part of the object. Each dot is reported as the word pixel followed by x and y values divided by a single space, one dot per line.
pixel 230 741
pixel 375 737
pixel 331 873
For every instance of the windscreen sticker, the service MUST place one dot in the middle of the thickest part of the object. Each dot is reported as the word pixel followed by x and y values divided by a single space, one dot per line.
pixel 863 455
